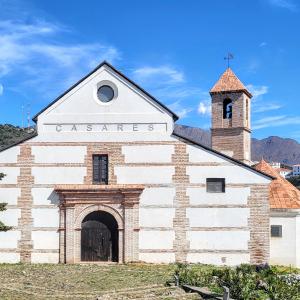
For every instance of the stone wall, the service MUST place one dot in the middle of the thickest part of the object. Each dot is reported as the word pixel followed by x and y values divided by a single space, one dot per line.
pixel 232 136
pixel 175 220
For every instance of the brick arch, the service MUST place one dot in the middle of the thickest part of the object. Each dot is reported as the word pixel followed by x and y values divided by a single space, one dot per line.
pixel 86 211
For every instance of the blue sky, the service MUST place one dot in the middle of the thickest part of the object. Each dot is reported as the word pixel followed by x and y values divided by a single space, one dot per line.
pixel 174 49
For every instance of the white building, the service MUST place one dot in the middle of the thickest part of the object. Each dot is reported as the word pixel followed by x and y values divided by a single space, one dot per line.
pixel 284 218
pixel 106 179
pixel 296 170
pixel 285 173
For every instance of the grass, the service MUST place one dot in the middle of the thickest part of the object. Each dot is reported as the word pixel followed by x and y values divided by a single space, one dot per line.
pixel 90 281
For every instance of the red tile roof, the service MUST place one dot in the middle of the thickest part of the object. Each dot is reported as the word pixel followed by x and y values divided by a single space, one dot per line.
pixel 282 193
pixel 229 82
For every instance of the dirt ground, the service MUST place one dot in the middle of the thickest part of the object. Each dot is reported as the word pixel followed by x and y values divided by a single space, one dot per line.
pixel 90 281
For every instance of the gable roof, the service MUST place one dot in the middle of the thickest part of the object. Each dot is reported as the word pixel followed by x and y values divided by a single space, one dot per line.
pixel 175 117
pixel 282 193
pixel 229 82
pixel 190 141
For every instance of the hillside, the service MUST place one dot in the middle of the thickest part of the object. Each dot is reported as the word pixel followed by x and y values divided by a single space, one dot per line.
pixel 272 148
pixel 10 134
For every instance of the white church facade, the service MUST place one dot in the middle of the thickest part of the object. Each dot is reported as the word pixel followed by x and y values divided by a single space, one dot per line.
pixel 106 179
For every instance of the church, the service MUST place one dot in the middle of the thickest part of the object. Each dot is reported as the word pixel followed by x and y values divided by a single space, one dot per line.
pixel 106 179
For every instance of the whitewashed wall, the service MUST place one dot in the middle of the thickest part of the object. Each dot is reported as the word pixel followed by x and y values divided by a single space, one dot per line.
pixel 160 196
pixel 10 216
pixel 218 240
pixel 218 217
pixel 10 195
pixel 148 153
pixel 283 250
pixel 155 239
pixel 231 259
pixel 10 155
pixel 11 175
pixel 45 217
pixel 145 175
pixel 232 174
pixel 232 196
pixel 157 217
pixel 298 241
pixel 9 239
pixel 45 239
pixel 81 106
pixel 59 154
pixel 9 257
pixel 44 196
pixel 58 175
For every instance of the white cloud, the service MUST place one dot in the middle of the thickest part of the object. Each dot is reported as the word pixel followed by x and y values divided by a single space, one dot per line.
pixel 204 107
pixel 29 49
pixel 173 91
pixel 179 109
pixel 275 121
pixel 253 65
pixel 1 89
pixel 266 107
pixel 168 83
pixel 263 44
pixel 164 74
pixel 257 90
pixel 288 4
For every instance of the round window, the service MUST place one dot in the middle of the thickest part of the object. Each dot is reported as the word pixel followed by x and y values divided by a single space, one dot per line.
pixel 105 93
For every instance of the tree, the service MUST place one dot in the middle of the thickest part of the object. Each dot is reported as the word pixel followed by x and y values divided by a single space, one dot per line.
pixel 295 180
pixel 3 227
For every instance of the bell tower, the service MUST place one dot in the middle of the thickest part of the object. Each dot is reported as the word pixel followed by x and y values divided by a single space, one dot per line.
pixel 231 129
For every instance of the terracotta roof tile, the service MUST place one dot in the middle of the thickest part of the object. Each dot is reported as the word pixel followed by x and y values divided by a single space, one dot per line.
pixel 229 82
pixel 282 193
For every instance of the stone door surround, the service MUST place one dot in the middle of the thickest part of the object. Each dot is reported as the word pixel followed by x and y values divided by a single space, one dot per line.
pixel 77 201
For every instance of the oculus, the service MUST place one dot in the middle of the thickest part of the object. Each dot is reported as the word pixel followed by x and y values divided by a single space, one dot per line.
pixel 105 93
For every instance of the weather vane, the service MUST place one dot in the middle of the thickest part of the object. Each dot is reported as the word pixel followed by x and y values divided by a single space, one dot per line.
pixel 228 58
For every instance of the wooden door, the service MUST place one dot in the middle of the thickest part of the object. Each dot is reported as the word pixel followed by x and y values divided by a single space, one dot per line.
pixel 96 242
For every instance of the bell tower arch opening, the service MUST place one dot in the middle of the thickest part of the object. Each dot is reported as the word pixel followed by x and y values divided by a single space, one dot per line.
pixel 227 109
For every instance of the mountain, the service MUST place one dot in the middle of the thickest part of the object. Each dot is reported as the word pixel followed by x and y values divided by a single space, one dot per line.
pixel 10 134
pixel 195 134
pixel 272 148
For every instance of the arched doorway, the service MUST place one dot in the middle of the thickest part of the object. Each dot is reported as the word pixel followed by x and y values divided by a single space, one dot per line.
pixel 99 237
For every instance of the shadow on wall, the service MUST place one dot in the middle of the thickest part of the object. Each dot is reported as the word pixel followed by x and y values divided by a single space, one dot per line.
pixel 53 198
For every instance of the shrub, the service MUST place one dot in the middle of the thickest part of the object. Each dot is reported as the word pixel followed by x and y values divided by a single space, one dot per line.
pixel 246 282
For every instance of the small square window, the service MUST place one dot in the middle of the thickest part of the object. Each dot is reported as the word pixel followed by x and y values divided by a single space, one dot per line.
pixel 215 185
pixel 276 231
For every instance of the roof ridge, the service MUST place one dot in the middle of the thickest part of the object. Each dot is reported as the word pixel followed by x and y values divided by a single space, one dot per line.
pixel 282 193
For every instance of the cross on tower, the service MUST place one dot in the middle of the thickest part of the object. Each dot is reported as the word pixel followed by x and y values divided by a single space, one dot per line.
pixel 228 58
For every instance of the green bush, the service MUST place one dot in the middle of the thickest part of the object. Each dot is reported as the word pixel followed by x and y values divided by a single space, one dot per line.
pixel 3 227
pixel 246 282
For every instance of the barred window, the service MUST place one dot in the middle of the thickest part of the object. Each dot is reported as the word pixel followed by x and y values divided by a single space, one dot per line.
pixel 100 169
pixel 215 185
pixel 276 230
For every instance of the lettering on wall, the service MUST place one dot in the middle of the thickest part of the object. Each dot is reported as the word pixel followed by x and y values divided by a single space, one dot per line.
pixel 106 127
